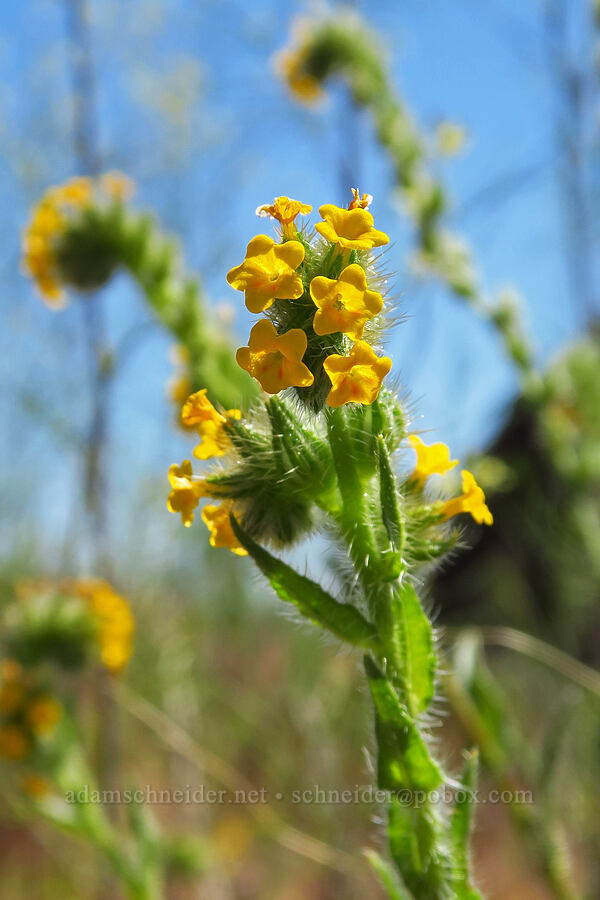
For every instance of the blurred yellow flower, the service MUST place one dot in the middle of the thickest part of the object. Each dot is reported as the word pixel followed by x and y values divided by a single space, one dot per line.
pixel 43 714
pixel 359 202
pixel 432 459
pixel 472 500
pixel 285 210
pixel 351 229
pixel 450 138
pixel 275 360
pixel 344 304
pixel 14 743
pixel 216 519
pixel 185 494
pixel 268 272
pixel 289 65
pixel 115 621
pixel 356 378
pixel 12 696
pixel 35 786
pixel 117 186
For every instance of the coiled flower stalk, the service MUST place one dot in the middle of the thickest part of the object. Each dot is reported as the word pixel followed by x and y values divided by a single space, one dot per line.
pixel 344 47
pixel 83 231
pixel 317 450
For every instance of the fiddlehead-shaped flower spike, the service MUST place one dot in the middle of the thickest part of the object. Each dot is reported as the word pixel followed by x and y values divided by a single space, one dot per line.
pixel 275 360
pixel 268 273
pixel 356 378
pixel 432 459
pixel 472 501
pixel 344 304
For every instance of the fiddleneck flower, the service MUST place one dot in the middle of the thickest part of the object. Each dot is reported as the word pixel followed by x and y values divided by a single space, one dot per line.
pixel 432 459
pixel 356 378
pixel 284 210
pixel 344 304
pixel 350 229
pixel 359 202
pixel 198 411
pixel 268 273
pixel 186 493
pixel 472 501
pixel 216 519
pixel 275 360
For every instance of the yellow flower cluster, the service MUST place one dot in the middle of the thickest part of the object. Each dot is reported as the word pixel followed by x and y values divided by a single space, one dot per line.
pixel 187 491
pixel 50 218
pixel 27 714
pixel 114 621
pixel 434 459
pixel 340 305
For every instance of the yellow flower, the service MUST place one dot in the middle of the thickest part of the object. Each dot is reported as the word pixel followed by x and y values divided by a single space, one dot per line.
pixel 289 65
pixel 285 210
pixel 14 743
pixel 39 260
pixel 359 202
pixel 344 304
pixel 268 272
pixel 356 378
pixel 43 714
pixel 35 786
pixel 198 411
pixel 117 186
pixel 75 192
pixel 275 360
pixel 185 496
pixel 472 500
pixel 216 519
pixel 12 688
pixel 351 229
pixel 115 621
pixel 432 459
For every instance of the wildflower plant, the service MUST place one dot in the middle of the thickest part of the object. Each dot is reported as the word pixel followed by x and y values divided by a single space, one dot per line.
pixel 56 638
pixel 325 448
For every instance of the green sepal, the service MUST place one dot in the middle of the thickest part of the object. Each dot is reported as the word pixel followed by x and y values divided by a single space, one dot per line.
pixel 414 655
pixel 461 823
pixel 341 619
pixel 404 761
pixel 388 876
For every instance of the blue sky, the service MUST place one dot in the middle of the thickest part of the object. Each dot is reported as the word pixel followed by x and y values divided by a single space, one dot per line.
pixel 234 140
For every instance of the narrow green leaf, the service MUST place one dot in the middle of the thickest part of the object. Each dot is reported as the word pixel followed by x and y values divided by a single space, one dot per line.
pixel 343 620
pixel 461 823
pixel 403 758
pixel 388 876
pixel 388 493
pixel 414 655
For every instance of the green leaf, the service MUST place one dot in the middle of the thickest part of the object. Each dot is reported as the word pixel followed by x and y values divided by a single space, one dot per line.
pixel 461 823
pixel 414 655
pixel 417 846
pixel 388 876
pixel 343 620
pixel 403 758
pixel 388 494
